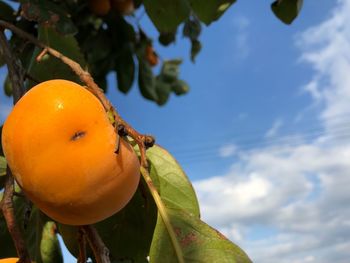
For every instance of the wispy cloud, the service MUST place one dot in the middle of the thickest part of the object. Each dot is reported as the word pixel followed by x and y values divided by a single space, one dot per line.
pixel 273 131
pixel 298 193
pixel 241 41
pixel 227 150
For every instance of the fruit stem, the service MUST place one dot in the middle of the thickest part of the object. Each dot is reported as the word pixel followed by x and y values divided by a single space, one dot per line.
pixel 163 213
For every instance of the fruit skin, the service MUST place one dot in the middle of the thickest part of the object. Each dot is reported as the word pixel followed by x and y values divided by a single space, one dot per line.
pixel 60 146
pixel 9 260
pixel 151 56
pixel 100 7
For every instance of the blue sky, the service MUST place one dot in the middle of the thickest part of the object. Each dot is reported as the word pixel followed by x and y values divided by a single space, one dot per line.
pixel 263 132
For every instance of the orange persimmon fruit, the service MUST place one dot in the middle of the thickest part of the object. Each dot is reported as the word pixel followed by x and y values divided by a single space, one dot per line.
pixel 124 7
pixel 61 148
pixel 9 260
pixel 100 7
pixel 151 55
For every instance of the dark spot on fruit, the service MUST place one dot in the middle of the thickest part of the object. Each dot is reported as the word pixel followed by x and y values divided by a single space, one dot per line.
pixel 77 135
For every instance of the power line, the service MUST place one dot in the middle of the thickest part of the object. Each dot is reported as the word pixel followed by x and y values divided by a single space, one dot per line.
pixel 261 141
pixel 214 154
pixel 197 144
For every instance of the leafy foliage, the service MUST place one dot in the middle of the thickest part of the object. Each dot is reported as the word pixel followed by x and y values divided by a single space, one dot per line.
pixel 199 242
pixel 138 224
pixel 132 225
pixel 111 43
pixel 114 42
pixel 49 14
pixel 49 67
pixel 39 232
pixel 287 10
pixel 212 10
pixel 3 164
pixel 6 13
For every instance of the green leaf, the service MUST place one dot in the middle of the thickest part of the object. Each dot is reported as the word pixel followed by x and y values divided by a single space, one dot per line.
pixel 2 60
pixel 180 87
pixel 133 225
pixel 3 165
pixel 167 15
pixel 287 10
pixel 196 47
pixel 127 234
pixel 20 48
pixel 192 28
pixel 125 67
pixel 163 90
pixel 8 86
pixel 6 12
pixel 146 81
pixel 166 38
pixel 33 229
pixel 94 55
pixel 50 67
pixel 172 183
pixel 170 70
pixel 47 13
pixel 199 242
pixel 50 250
pixel 211 10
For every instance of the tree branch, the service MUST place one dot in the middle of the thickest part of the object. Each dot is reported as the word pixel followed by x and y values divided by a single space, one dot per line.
pixel 82 246
pixel 16 74
pixel 15 70
pixel 6 205
pixel 99 249
pixel 143 141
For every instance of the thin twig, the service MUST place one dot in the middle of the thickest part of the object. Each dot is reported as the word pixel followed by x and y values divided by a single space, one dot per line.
pixel 99 249
pixel 143 141
pixel 163 214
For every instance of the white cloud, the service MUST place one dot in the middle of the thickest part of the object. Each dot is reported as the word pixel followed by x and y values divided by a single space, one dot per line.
pixel 272 132
pixel 227 150
pixel 241 41
pixel 300 194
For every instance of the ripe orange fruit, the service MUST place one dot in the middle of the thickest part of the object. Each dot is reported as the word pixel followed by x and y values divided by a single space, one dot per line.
pixel 60 146
pixel 124 7
pixel 9 260
pixel 100 7
pixel 151 55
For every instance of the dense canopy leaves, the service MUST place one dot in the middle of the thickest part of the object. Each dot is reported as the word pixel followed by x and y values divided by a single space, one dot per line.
pixel 117 43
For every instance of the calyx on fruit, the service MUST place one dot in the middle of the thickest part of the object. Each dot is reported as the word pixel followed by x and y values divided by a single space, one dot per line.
pixel 60 146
